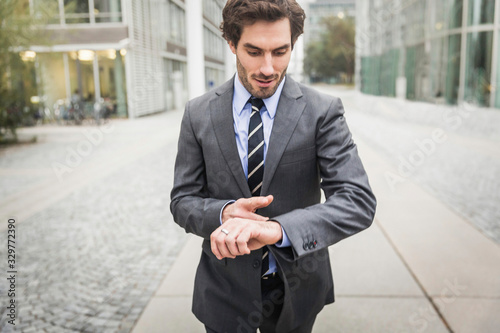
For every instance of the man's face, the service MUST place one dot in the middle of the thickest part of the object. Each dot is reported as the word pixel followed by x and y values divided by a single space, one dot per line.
pixel 262 56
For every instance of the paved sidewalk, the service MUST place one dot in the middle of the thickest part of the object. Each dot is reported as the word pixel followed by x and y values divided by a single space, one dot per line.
pixel 94 236
pixel 97 250
pixel 419 268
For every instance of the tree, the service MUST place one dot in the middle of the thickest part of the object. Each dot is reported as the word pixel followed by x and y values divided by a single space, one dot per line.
pixel 19 29
pixel 333 54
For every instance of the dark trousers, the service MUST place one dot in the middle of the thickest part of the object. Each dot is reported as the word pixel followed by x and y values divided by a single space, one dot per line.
pixel 272 304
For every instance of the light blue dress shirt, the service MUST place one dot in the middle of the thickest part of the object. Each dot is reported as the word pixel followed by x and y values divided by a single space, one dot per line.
pixel 241 117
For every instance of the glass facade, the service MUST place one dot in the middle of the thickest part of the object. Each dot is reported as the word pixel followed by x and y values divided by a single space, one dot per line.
pixel 443 51
pixel 175 25
pixel 455 8
pixel 81 73
pixel 320 10
pixel 481 12
pixel 213 78
pixel 176 83
pixel 50 10
pixel 478 70
pixel 69 76
pixel 76 11
pixel 112 80
pixel 497 81
pixel 102 67
pixel 212 10
pixel 214 45
pixel 107 11
pixel 52 89
pixel 81 11
pixel 437 69
pixel 453 70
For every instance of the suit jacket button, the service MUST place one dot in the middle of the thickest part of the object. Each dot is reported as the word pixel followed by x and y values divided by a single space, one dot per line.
pixel 306 246
pixel 256 264
pixel 315 243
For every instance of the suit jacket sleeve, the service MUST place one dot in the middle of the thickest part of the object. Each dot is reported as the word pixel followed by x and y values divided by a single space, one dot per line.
pixel 191 205
pixel 350 203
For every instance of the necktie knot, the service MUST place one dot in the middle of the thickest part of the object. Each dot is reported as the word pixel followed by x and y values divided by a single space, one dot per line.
pixel 256 103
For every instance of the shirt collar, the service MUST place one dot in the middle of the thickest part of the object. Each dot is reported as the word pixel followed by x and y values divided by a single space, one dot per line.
pixel 241 96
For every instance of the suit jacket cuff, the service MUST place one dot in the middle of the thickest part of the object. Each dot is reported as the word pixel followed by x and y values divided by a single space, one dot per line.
pixel 222 209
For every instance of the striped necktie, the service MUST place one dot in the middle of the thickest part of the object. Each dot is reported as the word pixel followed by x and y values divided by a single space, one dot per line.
pixel 255 148
pixel 256 162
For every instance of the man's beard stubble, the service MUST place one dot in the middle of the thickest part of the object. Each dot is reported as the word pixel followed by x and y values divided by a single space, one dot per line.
pixel 262 93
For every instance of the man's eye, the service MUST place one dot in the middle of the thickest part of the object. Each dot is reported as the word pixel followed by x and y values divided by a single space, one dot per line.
pixel 253 54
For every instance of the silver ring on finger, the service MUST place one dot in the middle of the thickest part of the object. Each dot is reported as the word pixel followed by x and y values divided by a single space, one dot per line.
pixel 224 231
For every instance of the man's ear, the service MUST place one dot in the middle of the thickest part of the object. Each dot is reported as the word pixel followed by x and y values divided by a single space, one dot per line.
pixel 232 47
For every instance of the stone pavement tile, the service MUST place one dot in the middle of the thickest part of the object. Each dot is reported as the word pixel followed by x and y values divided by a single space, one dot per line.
pixel 168 314
pixel 180 279
pixel 439 246
pixel 127 325
pixel 121 144
pixel 471 315
pixel 378 315
pixel 460 168
pixel 366 264
pixel 106 246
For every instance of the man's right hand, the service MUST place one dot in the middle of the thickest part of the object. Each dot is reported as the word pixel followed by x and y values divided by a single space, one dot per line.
pixel 245 208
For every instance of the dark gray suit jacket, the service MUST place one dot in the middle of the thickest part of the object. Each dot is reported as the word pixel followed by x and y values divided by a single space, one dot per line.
pixel 310 149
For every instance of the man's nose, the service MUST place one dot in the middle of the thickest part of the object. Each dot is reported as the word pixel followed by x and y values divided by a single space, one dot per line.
pixel 267 65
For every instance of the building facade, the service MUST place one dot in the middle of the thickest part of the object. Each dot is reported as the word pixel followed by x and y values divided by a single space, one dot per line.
pixel 319 10
pixel 136 55
pixel 437 51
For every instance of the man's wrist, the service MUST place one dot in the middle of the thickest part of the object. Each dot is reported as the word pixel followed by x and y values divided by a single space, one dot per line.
pixel 278 230
pixel 284 241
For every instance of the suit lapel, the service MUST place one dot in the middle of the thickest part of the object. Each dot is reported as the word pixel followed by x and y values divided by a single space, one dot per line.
pixel 290 108
pixel 221 116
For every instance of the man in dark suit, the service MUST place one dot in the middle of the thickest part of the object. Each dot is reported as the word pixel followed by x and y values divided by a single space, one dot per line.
pixel 253 157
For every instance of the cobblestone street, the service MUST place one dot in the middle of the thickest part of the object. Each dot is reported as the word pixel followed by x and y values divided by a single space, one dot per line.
pixel 91 260
pixel 94 233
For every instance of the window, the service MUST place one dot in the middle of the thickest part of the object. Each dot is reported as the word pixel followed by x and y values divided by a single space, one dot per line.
pixel 81 73
pixel 176 90
pixel 107 11
pixel 213 78
pixel 112 81
pixel 481 12
pixel 453 70
pixel 76 11
pixel 437 72
pixel 52 88
pixel 478 72
pixel 79 11
pixel 439 15
pixel 212 11
pixel 213 44
pixel 455 11
pixel 47 10
pixel 175 25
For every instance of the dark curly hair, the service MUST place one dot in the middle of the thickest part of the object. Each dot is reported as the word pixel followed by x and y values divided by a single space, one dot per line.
pixel 239 13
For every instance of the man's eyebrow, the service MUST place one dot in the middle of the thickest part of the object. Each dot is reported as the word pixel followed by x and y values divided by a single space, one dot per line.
pixel 251 46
